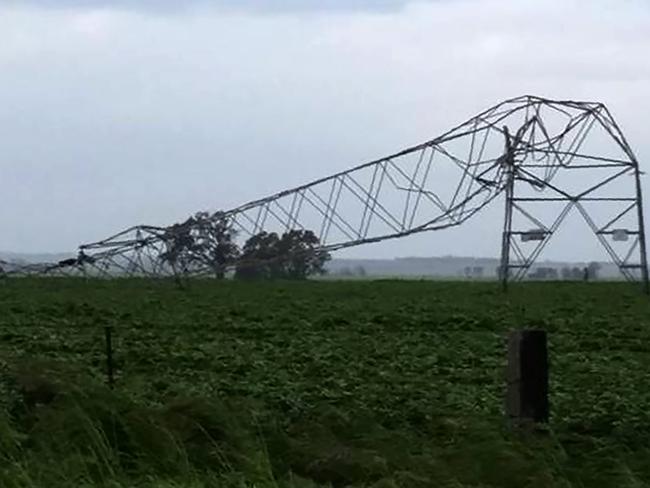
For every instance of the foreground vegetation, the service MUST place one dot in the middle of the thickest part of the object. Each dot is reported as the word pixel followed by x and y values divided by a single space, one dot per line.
pixel 316 384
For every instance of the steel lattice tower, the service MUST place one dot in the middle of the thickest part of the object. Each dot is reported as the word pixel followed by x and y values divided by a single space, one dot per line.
pixel 545 156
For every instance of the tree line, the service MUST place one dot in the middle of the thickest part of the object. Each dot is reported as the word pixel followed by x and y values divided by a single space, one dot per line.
pixel 208 241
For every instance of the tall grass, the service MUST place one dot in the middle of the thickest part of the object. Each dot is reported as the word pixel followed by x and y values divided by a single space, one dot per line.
pixel 83 434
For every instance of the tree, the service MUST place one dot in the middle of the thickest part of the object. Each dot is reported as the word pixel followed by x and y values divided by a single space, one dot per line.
pixel 258 259
pixel 179 247
pixel 474 271
pixel 593 269
pixel 294 255
pixel 300 255
pixel 546 273
pixel 361 271
pixel 204 240
pixel 215 242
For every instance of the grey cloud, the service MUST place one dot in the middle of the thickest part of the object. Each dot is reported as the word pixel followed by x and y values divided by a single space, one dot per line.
pixel 263 6
pixel 110 119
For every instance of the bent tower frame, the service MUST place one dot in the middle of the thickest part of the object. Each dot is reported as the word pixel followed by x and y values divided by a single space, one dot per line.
pixel 610 202
pixel 558 155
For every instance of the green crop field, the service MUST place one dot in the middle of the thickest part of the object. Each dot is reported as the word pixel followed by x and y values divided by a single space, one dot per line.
pixel 319 383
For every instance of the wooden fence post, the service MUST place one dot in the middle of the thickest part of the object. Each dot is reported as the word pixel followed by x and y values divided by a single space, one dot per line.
pixel 527 377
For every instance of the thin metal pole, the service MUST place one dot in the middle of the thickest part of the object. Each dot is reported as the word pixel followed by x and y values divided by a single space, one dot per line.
pixel 642 241
pixel 507 221
pixel 109 355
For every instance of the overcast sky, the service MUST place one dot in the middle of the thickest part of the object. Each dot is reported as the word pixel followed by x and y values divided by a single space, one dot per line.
pixel 115 113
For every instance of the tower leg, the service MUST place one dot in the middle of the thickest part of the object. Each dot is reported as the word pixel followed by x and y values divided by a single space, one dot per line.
pixel 642 241
pixel 507 221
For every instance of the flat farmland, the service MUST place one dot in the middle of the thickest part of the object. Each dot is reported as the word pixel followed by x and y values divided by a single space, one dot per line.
pixel 356 383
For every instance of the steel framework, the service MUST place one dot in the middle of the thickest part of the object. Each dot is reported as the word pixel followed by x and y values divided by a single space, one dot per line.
pixel 546 156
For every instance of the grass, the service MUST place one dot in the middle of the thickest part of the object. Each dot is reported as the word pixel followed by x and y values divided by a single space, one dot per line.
pixel 375 383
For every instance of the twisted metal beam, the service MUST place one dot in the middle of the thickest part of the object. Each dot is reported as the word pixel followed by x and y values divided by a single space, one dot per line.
pixel 438 184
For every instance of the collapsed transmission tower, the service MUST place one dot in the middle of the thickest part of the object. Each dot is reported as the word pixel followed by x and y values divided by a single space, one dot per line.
pixel 547 157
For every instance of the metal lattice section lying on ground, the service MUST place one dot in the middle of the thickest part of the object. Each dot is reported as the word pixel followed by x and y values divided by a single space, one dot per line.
pixel 562 154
